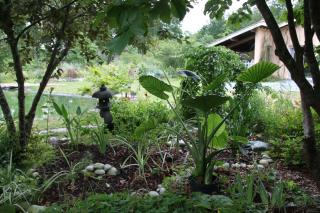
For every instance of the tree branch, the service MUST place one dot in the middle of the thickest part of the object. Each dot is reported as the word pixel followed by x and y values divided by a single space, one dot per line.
pixel 42 19
pixel 293 33
pixel 53 63
pixel 314 7
pixel 309 49
pixel 296 70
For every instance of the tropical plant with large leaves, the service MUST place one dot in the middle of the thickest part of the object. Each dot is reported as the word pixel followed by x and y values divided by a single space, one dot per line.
pixel 212 136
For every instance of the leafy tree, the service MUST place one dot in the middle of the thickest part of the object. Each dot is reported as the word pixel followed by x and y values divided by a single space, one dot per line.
pixel 307 12
pixel 55 26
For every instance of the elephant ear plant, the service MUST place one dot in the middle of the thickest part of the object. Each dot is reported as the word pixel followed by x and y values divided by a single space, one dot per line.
pixel 205 147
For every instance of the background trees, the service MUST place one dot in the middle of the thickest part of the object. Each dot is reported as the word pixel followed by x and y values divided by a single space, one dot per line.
pixel 56 26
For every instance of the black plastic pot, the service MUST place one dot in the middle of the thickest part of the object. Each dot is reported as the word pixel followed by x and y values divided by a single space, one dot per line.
pixel 212 188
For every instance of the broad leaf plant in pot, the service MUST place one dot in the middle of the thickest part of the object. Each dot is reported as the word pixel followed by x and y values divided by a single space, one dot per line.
pixel 211 137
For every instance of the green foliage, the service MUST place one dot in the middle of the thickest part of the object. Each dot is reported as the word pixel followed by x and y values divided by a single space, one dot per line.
pixel 212 64
pixel 115 76
pixel 250 194
pixel 155 86
pixel 15 186
pixel 38 153
pixel 6 144
pixel 123 202
pixel 209 126
pixel 258 72
pixel 129 115
pixel 205 104
pixel 100 136
pixel 285 120
pixel 72 122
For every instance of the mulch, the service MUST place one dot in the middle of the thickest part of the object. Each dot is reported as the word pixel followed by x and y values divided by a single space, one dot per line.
pixel 80 185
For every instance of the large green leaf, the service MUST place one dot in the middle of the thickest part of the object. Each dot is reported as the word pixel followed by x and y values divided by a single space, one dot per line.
pixel 220 137
pixel 205 103
pixel 216 83
pixel 258 72
pixel 155 86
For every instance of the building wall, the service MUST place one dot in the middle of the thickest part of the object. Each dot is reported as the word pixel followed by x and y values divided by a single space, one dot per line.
pixel 265 47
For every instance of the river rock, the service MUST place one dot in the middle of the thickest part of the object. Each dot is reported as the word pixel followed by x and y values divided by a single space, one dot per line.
pixel 54 140
pixel 264 162
pixel 99 172
pixel 35 174
pixel 236 166
pixel 90 168
pixel 258 146
pixel 162 190
pixel 36 209
pixel 98 165
pixel 250 166
pixel 243 165
pixel 112 171
pixel 153 194
pixel 260 167
pixel 226 165
pixel 107 167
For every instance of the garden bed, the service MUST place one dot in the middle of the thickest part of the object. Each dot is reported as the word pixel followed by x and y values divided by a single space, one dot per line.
pixel 128 179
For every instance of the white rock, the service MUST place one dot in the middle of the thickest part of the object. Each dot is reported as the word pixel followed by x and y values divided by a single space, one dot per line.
pixel 264 162
pixel 226 165
pixel 153 194
pixel 162 190
pixel 236 165
pixel 265 156
pixel 250 166
pixel 99 172
pixel 32 170
pixel 53 140
pixel 90 168
pixel 260 167
pixel 35 174
pixel 36 209
pixel 269 160
pixel 98 165
pixel 107 167
pixel 243 165
pixel 107 185
pixel 112 171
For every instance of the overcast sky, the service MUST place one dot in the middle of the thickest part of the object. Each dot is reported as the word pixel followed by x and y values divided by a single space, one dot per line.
pixel 195 19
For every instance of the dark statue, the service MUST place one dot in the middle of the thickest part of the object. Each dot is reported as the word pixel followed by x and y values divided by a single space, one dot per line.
pixel 104 95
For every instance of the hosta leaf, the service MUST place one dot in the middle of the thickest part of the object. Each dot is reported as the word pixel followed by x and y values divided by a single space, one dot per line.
pixel 205 103
pixel 258 72
pixel 155 86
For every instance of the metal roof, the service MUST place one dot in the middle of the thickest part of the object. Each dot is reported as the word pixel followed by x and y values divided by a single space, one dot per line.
pixel 249 28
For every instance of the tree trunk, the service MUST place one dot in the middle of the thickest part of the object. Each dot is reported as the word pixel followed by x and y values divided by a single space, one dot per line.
pixel 311 153
pixel 21 95
pixel 314 7
pixel 309 94
pixel 7 114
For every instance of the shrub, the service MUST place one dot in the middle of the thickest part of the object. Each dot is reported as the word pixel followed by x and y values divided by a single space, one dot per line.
pixel 273 115
pixel 128 115
pixel 209 63
pixel 38 153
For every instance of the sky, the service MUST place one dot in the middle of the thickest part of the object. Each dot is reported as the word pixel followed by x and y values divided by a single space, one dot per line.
pixel 195 19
